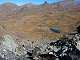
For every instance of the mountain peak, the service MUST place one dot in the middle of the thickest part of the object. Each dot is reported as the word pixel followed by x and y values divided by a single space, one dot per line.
pixel 8 8
pixel 45 3
pixel 9 4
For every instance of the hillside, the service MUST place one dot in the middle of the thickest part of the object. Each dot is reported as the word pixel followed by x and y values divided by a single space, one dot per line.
pixel 38 22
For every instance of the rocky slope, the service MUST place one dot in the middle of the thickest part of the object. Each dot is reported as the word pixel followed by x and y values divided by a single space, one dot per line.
pixel 29 32
pixel 38 22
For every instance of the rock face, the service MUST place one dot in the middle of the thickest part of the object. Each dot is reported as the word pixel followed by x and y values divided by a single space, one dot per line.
pixel 66 48
pixel 9 42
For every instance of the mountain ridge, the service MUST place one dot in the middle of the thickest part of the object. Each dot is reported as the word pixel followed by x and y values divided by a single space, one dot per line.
pixel 33 22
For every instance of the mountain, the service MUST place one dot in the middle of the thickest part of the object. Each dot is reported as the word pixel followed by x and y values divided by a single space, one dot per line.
pixel 29 8
pixel 33 22
pixel 8 8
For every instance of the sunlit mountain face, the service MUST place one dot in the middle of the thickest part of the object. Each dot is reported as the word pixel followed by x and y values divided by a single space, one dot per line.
pixel 32 21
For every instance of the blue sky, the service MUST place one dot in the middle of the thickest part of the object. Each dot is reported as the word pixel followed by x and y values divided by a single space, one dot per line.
pixel 21 2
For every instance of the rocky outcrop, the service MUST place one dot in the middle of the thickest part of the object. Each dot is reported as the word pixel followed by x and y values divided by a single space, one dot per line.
pixel 64 48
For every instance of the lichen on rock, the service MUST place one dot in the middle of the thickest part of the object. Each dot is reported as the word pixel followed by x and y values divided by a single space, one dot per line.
pixel 9 42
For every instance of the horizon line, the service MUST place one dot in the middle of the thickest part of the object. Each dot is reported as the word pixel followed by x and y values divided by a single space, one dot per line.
pixel 29 3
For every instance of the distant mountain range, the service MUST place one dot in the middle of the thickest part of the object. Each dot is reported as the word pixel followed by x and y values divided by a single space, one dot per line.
pixel 8 8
